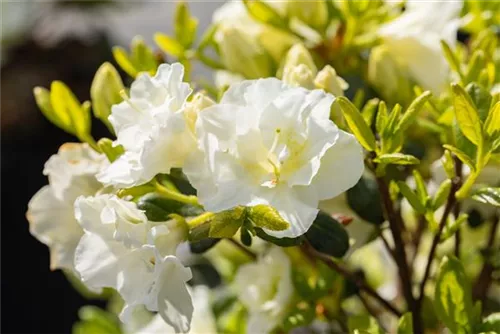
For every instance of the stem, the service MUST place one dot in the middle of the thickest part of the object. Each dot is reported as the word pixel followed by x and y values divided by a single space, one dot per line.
pixel 176 196
pixel 435 242
pixel 242 248
pixel 484 279
pixel 456 210
pixel 360 282
pixel 199 219
pixel 395 224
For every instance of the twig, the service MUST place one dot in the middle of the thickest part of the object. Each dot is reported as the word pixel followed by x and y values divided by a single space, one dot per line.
pixel 456 210
pixel 395 223
pixel 483 281
pixel 435 242
pixel 360 282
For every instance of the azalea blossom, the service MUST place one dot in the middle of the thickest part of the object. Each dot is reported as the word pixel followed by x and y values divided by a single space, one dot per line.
pixel 122 250
pixel 151 126
pixel 71 173
pixel 413 39
pixel 203 320
pixel 268 143
pixel 265 288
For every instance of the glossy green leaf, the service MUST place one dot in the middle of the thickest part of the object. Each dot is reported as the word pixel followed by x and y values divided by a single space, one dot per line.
pixel 411 113
pixel 412 197
pixel 265 216
pixel 169 45
pixel 185 25
pixel 42 98
pixel 328 236
pixel 453 297
pixel 264 13
pixel 282 242
pixel 467 115
pixel 124 61
pixel 461 156
pixel 364 199
pixel 111 151
pixel 488 195
pixel 441 194
pixel 396 159
pixel 492 123
pixel 226 223
pixel 357 124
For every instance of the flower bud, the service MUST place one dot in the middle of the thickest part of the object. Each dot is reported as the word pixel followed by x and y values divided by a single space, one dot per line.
pixel 298 54
pixel 387 75
pixel 299 76
pixel 242 53
pixel 328 80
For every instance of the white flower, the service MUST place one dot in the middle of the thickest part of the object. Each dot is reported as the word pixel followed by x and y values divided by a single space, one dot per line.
pixel 414 40
pixel 151 126
pixel 203 321
pixel 267 143
pixel 265 289
pixel 71 172
pixel 122 250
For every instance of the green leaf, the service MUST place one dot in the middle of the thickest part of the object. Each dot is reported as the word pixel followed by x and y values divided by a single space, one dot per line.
pixel 169 45
pixel 412 197
pixel 226 223
pixel 382 116
pixel 488 195
pixel 491 323
pixel 364 324
pixel 481 99
pixel 124 61
pixel 397 159
pixel 300 315
pixel 42 98
pixel 203 245
pixel 314 285
pixel 185 25
pixel 453 297
pixel 111 151
pixel 265 216
pixel 369 110
pixel 282 242
pixel 364 199
pixel 461 156
pixel 105 92
pixel 357 124
pixel 200 232
pixel 411 113
pixel 264 13
pixel 452 226
pixel 143 57
pixel 97 321
pixel 467 115
pixel 452 59
pixel 476 64
pixel 405 324
pixel 420 186
pixel 67 106
pixel 158 208
pixel 492 123
pixel 328 236
pixel 389 129
pixel 441 194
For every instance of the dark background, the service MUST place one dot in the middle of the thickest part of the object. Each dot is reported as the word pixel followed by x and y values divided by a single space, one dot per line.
pixel 34 299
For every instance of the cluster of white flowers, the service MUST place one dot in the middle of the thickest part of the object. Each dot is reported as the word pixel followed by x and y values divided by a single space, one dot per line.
pixel 265 143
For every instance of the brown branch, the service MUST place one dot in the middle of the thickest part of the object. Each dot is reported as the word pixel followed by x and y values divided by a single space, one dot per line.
pixel 358 281
pixel 456 210
pixel 450 203
pixel 395 224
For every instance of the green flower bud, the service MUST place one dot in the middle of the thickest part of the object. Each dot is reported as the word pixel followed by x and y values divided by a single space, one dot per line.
pixel 299 76
pixel 243 54
pixel 297 55
pixel 388 76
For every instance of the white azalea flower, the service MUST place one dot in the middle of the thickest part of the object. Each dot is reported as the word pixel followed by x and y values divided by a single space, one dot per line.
pixel 203 321
pixel 71 173
pixel 122 250
pixel 265 288
pixel 413 39
pixel 151 126
pixel 267 143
